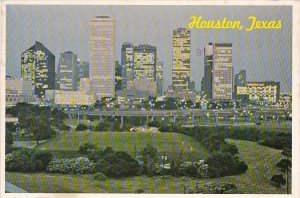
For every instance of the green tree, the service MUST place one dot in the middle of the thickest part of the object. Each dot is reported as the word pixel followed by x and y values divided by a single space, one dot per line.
pixel 278 180
pixel 284 164
pixel 8 137
pixel 149 158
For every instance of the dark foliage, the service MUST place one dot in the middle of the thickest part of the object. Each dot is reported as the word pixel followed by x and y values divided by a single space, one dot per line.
pixel 224 164
pixel 81 127
pixel 284 164
pixel 24 160
pixel 278 180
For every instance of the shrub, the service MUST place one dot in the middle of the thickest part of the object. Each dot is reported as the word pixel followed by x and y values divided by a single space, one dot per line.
pixel 153 124
pixel 194 169
pixel 22 160
pixel 99 177
pixel 8 137
pixel 284 164
pixel 42 159
pixel 287 152
pixel 221 188
pixel 65 127
pixel 139 191
pixel 278 180
pixel 86 147
pixel 81 127
pixel 224 164
pixel 78 165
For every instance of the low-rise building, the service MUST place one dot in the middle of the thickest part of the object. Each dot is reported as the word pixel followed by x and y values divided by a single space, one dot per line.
pixel 260 92
pixel 18 90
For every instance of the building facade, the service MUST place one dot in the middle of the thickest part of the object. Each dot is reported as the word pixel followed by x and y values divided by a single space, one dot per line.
pixel 260 92
pixel 83 68
pixel 240 80
pixel 119 77
pixel 127 61
pixel 222 77
pixel 144 62
pixel 68 71
pixel 102 56
pixel 208 70
pixel 18 90
pixel 159 78
pixel 38 66
pixel 181 67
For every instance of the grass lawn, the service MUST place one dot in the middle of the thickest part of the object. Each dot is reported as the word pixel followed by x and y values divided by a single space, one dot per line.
pixel 67 144
pixel 261 161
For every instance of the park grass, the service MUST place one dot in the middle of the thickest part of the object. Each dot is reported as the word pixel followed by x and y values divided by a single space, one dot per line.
pixel 261 161
pixel 172 144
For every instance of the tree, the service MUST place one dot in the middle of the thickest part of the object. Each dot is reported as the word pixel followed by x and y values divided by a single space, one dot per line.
pixel 224 164
pixel 81 127
pixel 284 164
pixel 8 137
pixel 149 157
pixel 278 180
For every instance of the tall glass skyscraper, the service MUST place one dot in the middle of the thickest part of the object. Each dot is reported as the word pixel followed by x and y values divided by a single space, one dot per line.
pixel 38 66
pixel 102 56
pixel 181 72
pixel 67 71
pixel 127 61
pixel 208 69
pixel 222 85
pixel 144 62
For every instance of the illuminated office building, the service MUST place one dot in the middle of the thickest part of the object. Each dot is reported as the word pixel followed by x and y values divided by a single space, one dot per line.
pixel 38 66
pixel 102 56
pixel 144 62
pixel 68 71
pixel 222 76
pixel 181 71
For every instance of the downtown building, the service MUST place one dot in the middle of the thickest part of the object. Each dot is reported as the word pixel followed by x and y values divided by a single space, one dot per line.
pixel 102 56
pixel 240 80
pixel 18 90
pixel 83 68
pixel 139 64
pixel 82 96
pixel 217 83
pixel 38 66
pixel 159 78
pixel 181 58
pixel 260 92
pixel 67 71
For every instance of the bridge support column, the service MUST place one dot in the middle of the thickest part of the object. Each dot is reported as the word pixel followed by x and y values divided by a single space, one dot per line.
pixel 100 118
pixel 174 119
pixel 152 118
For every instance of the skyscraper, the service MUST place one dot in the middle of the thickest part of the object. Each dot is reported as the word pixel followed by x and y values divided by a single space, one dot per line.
pixel 144 62
pixel 127 61
pixel 222 86
pixel 181 72
pixel 102 56
pixel 119 76
pixel 239 80
pixel 83 68
pixel 159 78
pixel 208 70
pixel 67 71
pixel 38 66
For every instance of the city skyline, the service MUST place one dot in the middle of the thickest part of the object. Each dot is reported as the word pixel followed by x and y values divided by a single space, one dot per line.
pixel 249 52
